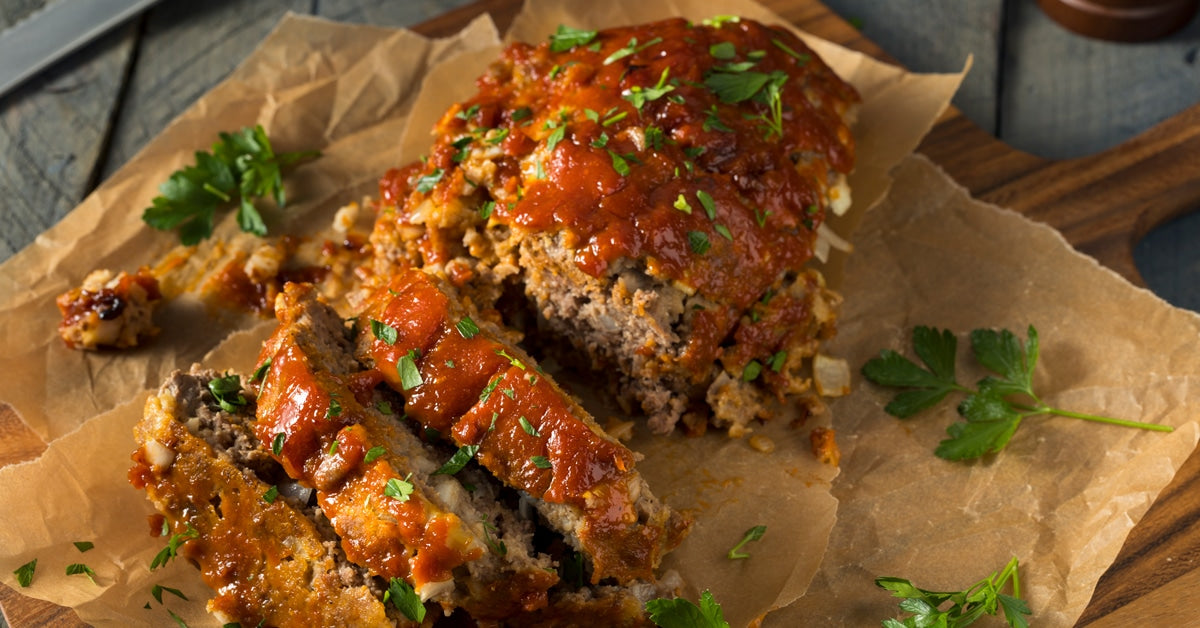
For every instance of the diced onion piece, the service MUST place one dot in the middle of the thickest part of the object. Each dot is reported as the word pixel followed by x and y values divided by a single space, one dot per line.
pixel 158 455
pixel 433 589
pixel 828 239
pixel 832 376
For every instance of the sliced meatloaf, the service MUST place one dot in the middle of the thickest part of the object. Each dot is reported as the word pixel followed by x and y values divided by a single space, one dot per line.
pixel 655 192
pixel 466 384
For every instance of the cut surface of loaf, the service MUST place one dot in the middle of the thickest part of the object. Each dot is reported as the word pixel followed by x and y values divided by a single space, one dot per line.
pixel 655 193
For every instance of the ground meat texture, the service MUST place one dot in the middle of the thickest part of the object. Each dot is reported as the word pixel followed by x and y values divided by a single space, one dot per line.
pixel 375 479
pixel 647 191
pixel 480 392
pixel 274 562
pixel 113 311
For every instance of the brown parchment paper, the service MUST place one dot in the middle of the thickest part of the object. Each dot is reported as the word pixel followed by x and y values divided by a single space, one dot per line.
pixel 349 91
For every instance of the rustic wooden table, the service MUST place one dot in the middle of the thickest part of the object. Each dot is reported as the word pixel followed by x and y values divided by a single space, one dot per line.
pixel 1036 87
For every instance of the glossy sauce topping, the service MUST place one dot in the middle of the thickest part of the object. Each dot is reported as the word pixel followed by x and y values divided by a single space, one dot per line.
pixel 659 143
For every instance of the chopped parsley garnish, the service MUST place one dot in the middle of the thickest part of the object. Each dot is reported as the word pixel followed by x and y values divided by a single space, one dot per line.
pixel 487 392
pixel 406 367
pixel 713 121
pixel 498 136
pixel 639 96
pixel 655 138
pixel 753 534
pixel 760 217
pixel 24 573
pixel 165 555
pixel 556 136
pixel 405 598
pixel 261 371
pixel 374 453
pixel 511 360
pixel 426 183
pixel 521 114
pixel 334 410
pixel 277 443
pixel 467 327
pixel 777 361
pixel 682 613
pixel 619 163
pixel 469 113
pixel 723 50
pixel 698 240
pixel 399 490
pixel 724 231
pixel 333 447
pixel 800 58
pixel 751 371
pixel 497 546
pixel 83 546
pixel 601 141
pixel 449 364
pixel 566 38
pixel 540 462
pixel 707 202
pixel 485 210
pixel 158 590
pixel 615 118
pixel 631 48
pixel 228 392
pixel 75 569
pixel 458 460
pixel 271 494
pixel 384 332
pixel 682 205
pixel 528 427
pixel 736 87
pixel 982 598
pixel 242 165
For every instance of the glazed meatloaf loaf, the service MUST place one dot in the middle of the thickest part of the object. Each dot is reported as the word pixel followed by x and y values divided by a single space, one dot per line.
pixel 309 494
pixel 653 195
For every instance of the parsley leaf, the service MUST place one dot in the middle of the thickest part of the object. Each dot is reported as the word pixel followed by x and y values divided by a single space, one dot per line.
pixel 753 534
pixel 374 453
pixel 75 569
pixel 24 573
pixel 983 597
pixel 991 414
pixel 241 165
pixel 406 367
pixel 228 392
pixel 165 555
pixel 384 332
pixel 458 460
pixel 638 96
pixel 399 490
pixel 682 613
pixel 405 598
pixel 566 38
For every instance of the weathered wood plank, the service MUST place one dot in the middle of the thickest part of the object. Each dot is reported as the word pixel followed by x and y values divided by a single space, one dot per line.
pixel 1068 96
pixel 186 49
pixel 51 130
pixel 937 36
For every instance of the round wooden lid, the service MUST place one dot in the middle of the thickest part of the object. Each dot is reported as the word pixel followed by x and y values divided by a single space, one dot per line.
pixel 1121 20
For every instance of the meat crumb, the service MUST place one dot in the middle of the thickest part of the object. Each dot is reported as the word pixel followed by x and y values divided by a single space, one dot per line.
pixel 113 311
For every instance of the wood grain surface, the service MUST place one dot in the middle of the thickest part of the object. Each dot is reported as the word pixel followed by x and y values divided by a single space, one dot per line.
pixel 1102 204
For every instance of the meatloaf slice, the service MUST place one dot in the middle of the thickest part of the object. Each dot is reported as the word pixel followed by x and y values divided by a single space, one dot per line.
pixel 653 192
pixel 377 482
pixel 462 381
pixel 270 557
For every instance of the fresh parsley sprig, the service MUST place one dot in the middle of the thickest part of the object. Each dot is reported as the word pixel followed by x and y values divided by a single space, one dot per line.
pixel 682 613
pixel 983 597
pixel 991 414
pixel 242 166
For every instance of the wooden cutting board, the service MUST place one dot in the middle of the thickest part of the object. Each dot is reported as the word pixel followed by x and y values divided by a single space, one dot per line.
pixel 1102 204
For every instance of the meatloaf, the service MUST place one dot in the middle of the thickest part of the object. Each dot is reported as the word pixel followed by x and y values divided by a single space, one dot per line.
pixel 653 195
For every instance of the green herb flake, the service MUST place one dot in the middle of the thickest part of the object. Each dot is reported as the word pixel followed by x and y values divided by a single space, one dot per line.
pixel 399 490
pixel 615 118
pixel 24 573
pixel 271 494
pixel 540 462
pixel 497 136
pixel 458 460
pixel 383 406
pixel 707 202
pixel 511 360
pixel 619 163
pixel 638 96
pixel 753 534
pixel 682 205
pixel 487 392
pixel 485 210
pixel 405 598
pixel 426 183
pixel 165 555
pixel 373 454
pixel 83 546
pixel 601 141
pixel 566 38
pixel 592 114
pixel 528 427
pixel 334 410
pixel 261 371
pixel 724 50
pixel 751 371
pixel 467 328
pixel 497 546
pixel 469 113
pixel 682 613
pixel 449 364
pixel 556 136
pixel 158 590
pixel 698 241
pixel 277 443
pixel 631 48
pixel 724 231
pixel 801 59
pixel 508 392
pixel 75 569
pixel 228 392
pixel 521 114
pixel 713 122
pixel 778 359
pixel 406 367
